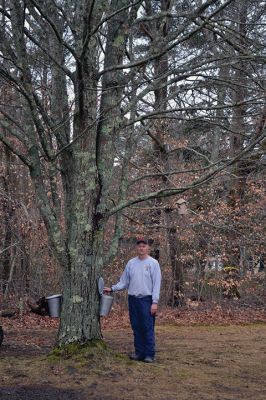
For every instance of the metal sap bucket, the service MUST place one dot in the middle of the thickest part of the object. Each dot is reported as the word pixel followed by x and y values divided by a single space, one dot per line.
pixel 106 300
pixel 105 304
pixel 54 305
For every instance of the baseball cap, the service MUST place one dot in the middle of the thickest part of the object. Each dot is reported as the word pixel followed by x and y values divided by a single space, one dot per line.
pixel 142 240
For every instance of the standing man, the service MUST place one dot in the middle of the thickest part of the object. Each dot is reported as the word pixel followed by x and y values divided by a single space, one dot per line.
pixel 142 278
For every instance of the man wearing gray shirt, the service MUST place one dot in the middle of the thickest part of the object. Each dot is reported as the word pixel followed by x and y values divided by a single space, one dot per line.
pixel 142 278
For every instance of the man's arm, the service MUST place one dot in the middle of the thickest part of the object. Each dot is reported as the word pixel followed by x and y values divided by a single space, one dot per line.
pixel 156 283
pixel 122 284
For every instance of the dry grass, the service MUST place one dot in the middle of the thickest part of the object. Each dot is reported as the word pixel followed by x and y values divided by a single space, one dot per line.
pixel 196 362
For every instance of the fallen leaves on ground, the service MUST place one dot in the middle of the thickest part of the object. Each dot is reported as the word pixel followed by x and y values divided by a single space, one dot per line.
pixel 214 314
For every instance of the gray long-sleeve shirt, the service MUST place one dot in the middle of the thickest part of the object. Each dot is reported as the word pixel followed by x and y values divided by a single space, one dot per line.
pixel 141 278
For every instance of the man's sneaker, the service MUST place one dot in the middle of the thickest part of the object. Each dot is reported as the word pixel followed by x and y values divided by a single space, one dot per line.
pixel 148 359
pixel 136 357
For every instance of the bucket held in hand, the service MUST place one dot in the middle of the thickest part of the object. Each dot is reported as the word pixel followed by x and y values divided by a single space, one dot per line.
pixel 54 305
pixel 105 304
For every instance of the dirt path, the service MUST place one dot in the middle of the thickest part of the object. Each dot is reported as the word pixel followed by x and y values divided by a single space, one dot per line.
pixel 195 363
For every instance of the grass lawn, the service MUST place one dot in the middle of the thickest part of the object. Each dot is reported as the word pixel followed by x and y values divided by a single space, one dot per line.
pixel 193 362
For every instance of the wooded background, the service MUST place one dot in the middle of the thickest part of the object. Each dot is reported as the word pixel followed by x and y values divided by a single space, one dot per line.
pixel 128 118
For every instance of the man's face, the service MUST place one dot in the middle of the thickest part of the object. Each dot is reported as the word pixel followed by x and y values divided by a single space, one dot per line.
pixel 142 249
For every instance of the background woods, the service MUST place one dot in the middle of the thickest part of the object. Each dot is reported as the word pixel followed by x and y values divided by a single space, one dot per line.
pixel 121 118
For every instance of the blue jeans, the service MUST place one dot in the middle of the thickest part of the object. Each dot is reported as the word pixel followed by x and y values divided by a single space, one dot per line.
pixel 142 323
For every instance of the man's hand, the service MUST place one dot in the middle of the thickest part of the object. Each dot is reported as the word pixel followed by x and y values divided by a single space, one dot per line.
pixel 107 289
pixel 154 308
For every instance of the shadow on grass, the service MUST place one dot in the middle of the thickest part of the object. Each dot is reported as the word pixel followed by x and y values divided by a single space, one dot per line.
pixel 47 392
pixel 43 392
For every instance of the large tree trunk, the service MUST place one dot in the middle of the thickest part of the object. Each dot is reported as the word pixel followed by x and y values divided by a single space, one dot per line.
pixel 82 259
pixel 87 183
pixel 80 321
